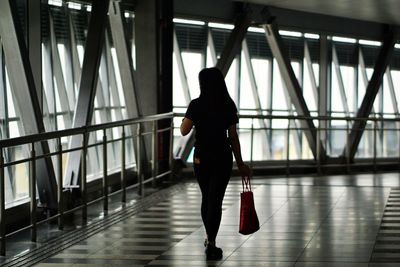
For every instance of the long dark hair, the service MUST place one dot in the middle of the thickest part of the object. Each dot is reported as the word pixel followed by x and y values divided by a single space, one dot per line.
pixel 213 90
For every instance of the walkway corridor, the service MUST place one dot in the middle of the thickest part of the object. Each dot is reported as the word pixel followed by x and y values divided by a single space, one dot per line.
pixel 305 221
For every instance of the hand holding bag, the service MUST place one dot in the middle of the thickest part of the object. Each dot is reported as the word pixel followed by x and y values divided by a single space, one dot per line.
pixel 248 217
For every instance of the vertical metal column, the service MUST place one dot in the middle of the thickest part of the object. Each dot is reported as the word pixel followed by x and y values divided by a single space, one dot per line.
pixel 60 185
pixel 35 45
pixel 123 155
pixel 154 161
pixel 2 206
pixel 139 160
pixel 325 58
pixel 83 177
pixel 105 173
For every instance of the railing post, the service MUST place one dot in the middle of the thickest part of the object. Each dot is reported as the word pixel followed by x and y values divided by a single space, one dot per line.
pixel 288 149
pixel 83 178
pixel 105 175
pixel 347 146
pixel 2 206
pixel 32 191
pixel 123 181
pixel 155 153
pixel 60 185
pixel 375 129
pixel 319 147
pixel 171 146
pixel 251 142
pixel 139 160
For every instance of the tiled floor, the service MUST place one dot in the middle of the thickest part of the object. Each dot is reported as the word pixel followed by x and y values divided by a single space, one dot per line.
pixel 305 221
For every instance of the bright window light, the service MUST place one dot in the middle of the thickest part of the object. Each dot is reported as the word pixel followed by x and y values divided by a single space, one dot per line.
pixel 55 2
pixel 311 36
pixel 88 8
pixel 73 5
pixel 221 26
pixel 397 46
pixel 256 29
pixel 369 42
pixel 189 21
pixel 344 39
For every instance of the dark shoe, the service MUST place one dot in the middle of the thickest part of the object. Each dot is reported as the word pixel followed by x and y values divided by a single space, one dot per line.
pixel 213 252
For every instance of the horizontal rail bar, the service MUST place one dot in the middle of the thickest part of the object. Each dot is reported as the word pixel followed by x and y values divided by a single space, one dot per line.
pixel 80 130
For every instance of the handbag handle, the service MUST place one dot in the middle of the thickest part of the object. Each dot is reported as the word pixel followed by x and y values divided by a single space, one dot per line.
pixel 246 183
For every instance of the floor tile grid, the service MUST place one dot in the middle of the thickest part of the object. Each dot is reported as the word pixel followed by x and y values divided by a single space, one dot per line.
pixel 144 223
pixel 348 234
pixel 70 238
pixel 232 259
pixel 190 252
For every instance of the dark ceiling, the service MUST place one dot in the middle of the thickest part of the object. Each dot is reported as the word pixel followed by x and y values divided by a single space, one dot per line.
pixel 382 11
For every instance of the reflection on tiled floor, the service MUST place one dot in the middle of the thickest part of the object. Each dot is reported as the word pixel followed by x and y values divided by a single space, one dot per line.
pixel 326 221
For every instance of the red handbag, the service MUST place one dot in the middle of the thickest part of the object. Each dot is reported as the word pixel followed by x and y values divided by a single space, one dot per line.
pixel 248 216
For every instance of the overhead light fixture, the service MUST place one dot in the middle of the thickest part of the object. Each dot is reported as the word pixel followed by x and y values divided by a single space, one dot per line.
pixel 189 21
pixel 256 29
pixel 397 46
pixel 311 36
pixel 55 2
pixel 221 26
pixel 344 39
pixel 369 42
pixel 290 33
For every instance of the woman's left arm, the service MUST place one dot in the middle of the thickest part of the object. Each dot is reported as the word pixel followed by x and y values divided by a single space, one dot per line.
pixel 186 126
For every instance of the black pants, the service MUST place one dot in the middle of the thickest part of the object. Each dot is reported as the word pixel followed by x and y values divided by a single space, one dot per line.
pixel 213 173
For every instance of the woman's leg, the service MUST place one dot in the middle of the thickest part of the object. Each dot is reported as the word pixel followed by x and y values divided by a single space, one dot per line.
pixel 216 191
pixel 203 179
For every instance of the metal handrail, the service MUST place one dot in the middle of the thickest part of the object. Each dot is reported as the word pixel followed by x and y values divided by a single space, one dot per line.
pixel 84 131
pixel 26 139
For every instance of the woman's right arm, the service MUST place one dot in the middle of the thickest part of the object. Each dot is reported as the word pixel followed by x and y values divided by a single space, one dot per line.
pixel 186 126
pixel 235 143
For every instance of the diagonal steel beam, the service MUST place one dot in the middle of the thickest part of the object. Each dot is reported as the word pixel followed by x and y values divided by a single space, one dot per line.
pixel 211 46
pixel 232 46
pixel 370 94
pixel 116 19
pixel 88 84
pixel 24 89
pixel 310 68
pixel 293 86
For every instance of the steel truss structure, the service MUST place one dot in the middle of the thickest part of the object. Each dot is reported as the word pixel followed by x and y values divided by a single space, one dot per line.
pixel 79 67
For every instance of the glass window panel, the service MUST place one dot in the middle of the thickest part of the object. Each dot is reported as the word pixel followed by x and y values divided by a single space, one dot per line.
pixel 232 81
pixel 178 93
pixel 278 94
pixel 246 92
pixel 261 69
pixel 193 63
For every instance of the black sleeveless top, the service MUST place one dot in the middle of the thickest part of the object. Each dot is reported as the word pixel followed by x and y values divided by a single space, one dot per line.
pixel 211 126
